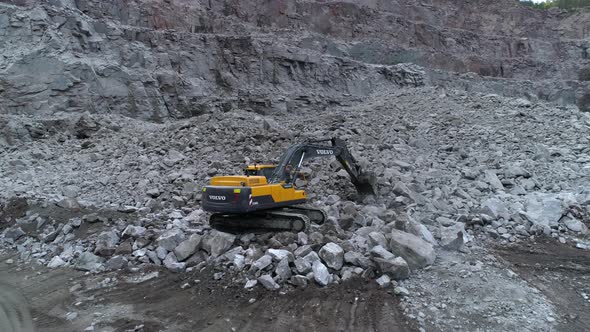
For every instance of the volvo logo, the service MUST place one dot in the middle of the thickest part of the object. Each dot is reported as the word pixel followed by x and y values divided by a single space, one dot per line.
pixel 216 198
pixel 324 152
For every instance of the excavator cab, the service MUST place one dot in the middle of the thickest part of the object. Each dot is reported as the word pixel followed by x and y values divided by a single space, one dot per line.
pixel 265 170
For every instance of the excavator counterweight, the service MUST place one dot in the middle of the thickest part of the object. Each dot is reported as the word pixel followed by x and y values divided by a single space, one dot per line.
pixel 266 198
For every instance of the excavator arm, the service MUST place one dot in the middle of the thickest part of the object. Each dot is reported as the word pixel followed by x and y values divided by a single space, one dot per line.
pixel 291 162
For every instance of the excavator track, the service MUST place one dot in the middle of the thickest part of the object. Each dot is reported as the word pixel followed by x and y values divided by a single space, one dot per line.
pixel 315 215
pixel 291 219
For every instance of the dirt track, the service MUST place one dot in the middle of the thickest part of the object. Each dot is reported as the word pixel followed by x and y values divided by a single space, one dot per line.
pixel 143 302
pixel 159 304
pixel 561 272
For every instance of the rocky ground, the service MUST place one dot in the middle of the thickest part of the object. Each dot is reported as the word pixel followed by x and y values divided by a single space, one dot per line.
pixel 464 181
pixel 114 115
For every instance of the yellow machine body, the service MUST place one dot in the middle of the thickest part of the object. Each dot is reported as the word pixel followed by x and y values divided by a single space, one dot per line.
pixel 242 193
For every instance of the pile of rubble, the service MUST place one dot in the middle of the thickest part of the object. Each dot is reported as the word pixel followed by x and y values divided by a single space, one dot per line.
pixel 326 254
pixel 117 193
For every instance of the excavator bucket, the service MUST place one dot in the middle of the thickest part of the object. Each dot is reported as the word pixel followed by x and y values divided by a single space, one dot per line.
pixel 365 184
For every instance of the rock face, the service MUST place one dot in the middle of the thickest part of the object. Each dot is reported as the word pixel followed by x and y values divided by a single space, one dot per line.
pixel 237 65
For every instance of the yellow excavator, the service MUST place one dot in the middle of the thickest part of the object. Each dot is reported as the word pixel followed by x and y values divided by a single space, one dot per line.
pixel 266 197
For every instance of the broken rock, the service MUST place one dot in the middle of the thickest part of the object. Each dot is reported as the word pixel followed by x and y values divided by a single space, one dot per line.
pixel 133 231
pixel 262 262
pixel 268 282
pixel 89 262
pixel 188 247
pixel 543 209
pixel 383 281
pixel 417 252
pixel 333 255
pixel 320 273
pixel 170 239
pixel 396 267
pixel 217 243
pixel 283 271
pixel 381 252
pixel 575 225
pixel 116 263
pixel 357 259
pixel 280 254
pixel 172 264
pixel 14 234
pixel 453 237
pixel 106 243
pixel 56 262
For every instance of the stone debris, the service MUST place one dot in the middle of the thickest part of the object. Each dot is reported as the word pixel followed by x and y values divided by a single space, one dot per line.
pixel 453 236
pixel 56 262
pixel 332 255
pixel 172 263
pixel 415 251
pixel 106 243
pixel 321 274
pixel 441 187
pixel 188 247
pixel 267 282
pixel 218 243
pixel 89 262
pixel 383 281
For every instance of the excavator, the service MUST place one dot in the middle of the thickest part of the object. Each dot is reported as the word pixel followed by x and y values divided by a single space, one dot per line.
pixel 266 198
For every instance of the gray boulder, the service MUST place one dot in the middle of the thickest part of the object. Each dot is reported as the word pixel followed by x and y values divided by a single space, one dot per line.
pixel 311 257
pixel 376 238
pixel 262 262
pixel 133 231
pixel 187 247
pixel 453 237
pixel 421 231
pixel 575 225
pixel 495 208
pixel 172 264
pixel 217 243
pixel 169 240
pixel 116 263
pixel 492 179
pixel 298 281
pixel 302 266
pixel 283 271
pixel 106 243
pixel 13 234
pixel 417 252
pixel 320 273
pixel 302 251
pixel 543 209
pixel 381 252
pixel 333 255
pixel 89 262
pixel 280 254
pixel 383 281
pixel 56 262
pixel 357 259
pixel 268 282
pixel 397 268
